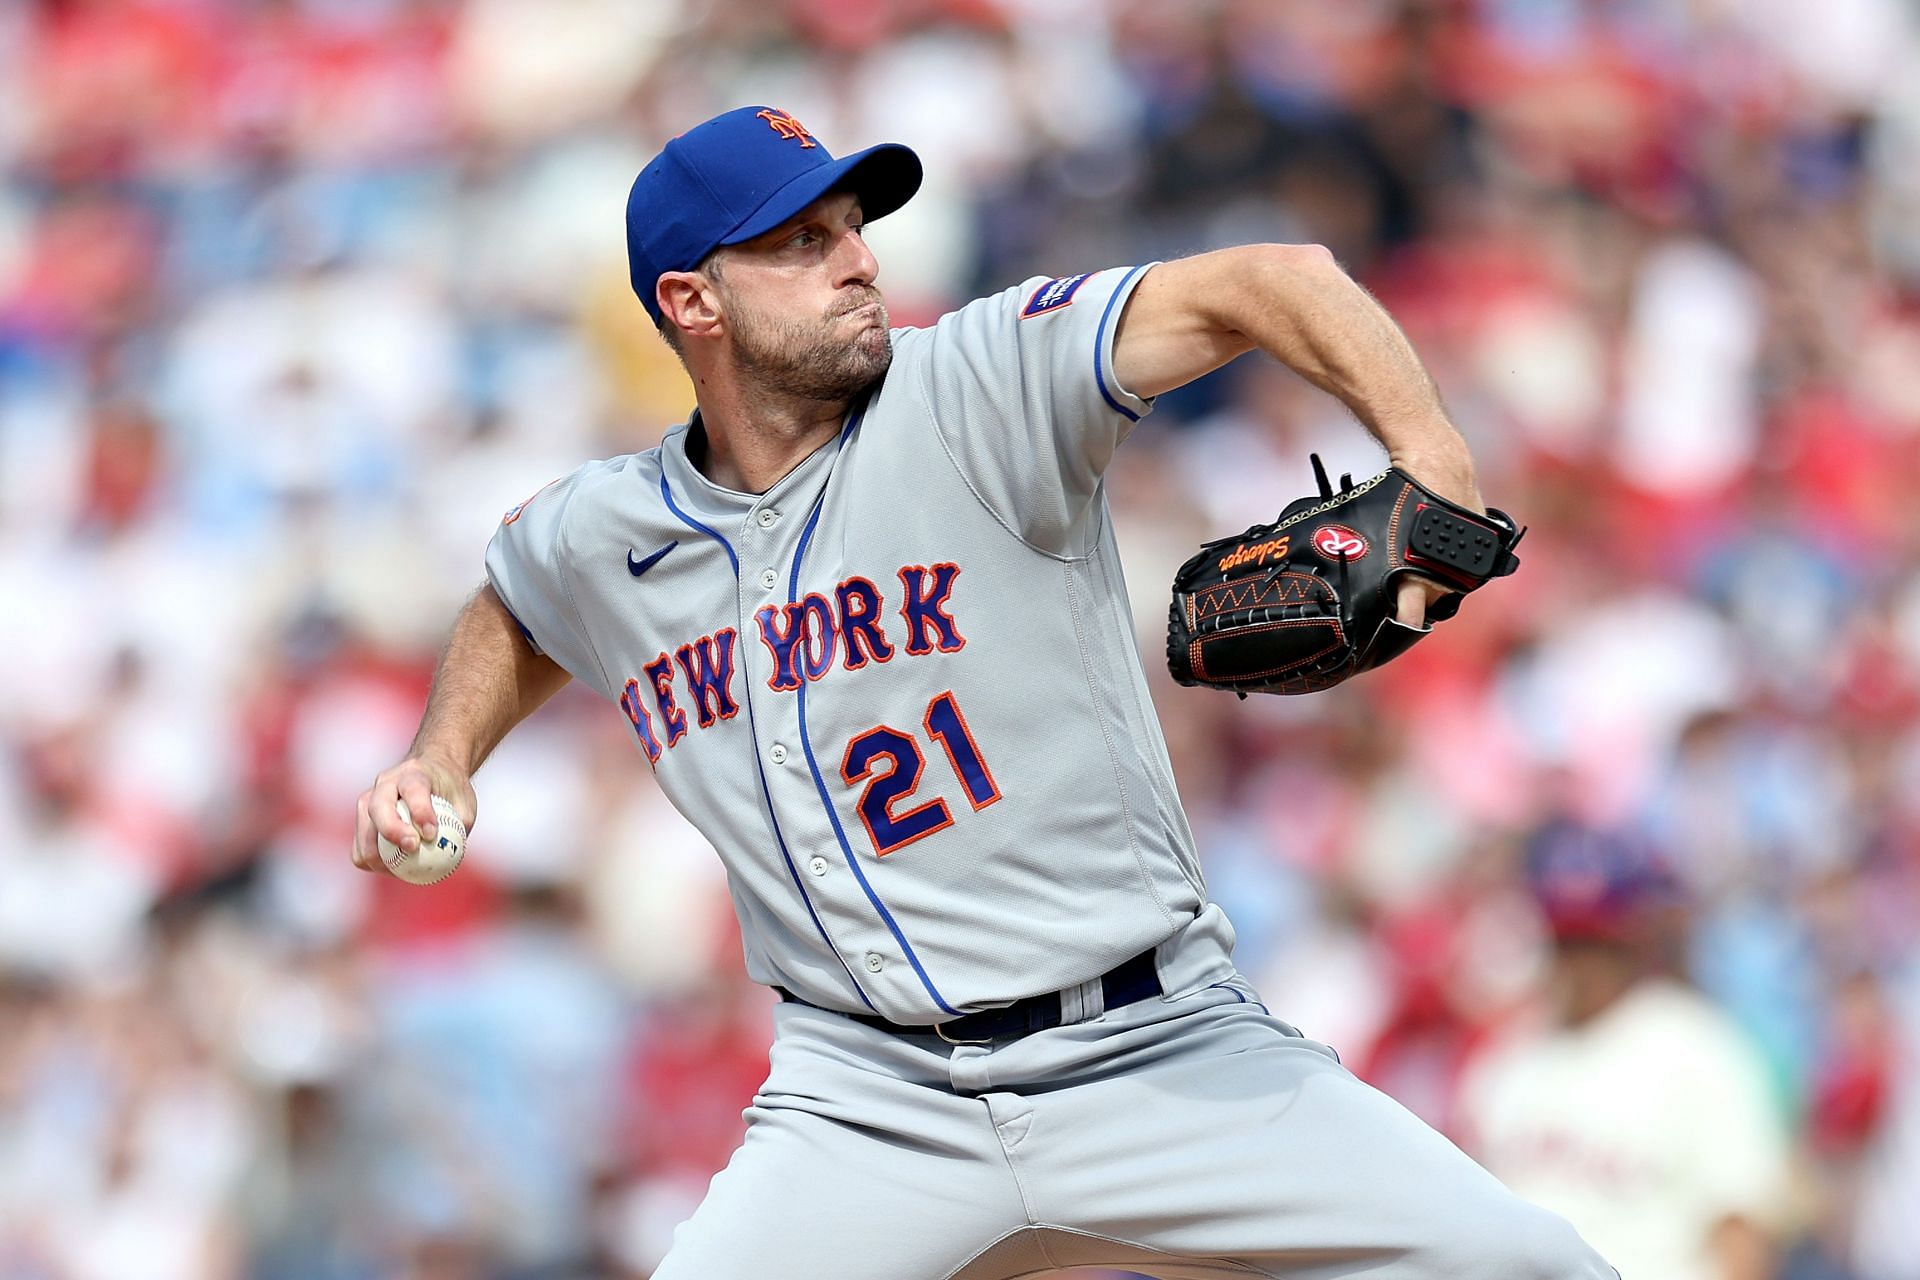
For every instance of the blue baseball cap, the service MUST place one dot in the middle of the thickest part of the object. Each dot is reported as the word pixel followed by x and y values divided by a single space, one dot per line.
pixel 740 175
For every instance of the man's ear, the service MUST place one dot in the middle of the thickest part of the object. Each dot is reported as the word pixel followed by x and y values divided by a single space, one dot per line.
pixel 689 301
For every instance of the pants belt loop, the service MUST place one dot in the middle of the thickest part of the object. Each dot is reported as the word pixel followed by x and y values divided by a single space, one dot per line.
pixel 1082 1002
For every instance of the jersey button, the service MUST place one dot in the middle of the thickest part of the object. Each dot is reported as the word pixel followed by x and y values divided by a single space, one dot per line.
pixel 768 517
pixel 874 963
pixel 817 865
pixel 777 753
pixel 769 579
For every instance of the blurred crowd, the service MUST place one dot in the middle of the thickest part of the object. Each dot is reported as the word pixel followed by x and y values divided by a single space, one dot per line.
pixel 1615 881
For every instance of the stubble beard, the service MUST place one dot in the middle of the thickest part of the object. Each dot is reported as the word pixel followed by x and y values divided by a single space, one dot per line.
pixel 809 361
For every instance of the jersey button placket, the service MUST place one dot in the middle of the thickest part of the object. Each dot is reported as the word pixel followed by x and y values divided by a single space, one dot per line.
pixel 875 962
pixel 758 538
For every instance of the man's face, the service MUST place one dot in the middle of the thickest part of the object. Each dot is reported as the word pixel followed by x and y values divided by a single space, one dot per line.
pixel 801 307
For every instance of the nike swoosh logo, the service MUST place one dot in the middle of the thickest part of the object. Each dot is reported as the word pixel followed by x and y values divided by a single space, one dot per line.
pixel 638 567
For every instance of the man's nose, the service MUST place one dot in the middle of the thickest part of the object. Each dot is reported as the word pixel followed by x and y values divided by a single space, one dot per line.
pixel 854 260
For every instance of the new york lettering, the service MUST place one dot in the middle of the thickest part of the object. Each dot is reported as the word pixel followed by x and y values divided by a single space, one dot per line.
pixel 848 626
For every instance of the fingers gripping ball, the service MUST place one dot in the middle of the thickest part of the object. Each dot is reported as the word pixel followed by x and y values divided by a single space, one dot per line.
pixel 435 859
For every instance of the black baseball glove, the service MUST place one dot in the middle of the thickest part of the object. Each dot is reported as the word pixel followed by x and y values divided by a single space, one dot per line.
pixel 1309 600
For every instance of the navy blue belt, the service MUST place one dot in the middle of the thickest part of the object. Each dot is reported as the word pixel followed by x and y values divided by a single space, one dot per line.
pixel 1126 982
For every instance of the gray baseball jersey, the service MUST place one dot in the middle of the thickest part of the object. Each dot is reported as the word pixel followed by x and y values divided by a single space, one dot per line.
pixel 900 694
pixel 899 691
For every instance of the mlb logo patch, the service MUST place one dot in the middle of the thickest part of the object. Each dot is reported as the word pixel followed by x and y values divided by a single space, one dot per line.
pixel 1052 295
pixel 513 512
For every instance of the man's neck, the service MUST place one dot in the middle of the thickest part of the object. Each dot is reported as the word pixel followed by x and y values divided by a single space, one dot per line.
pixel 753 441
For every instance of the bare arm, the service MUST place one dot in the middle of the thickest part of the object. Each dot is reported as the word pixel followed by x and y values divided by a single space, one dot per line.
pixel 489 680
pixel 1294 302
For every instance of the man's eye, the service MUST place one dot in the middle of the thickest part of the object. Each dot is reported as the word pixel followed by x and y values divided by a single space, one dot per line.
pixel 802 239
pixel 859 229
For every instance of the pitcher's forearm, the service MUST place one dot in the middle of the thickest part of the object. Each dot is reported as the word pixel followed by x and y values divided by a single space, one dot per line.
pixel 489 680
pixel 1321 323
pixel 1295 303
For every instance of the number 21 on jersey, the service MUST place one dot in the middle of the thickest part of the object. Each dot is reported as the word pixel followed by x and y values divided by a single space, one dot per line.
pixel 891 762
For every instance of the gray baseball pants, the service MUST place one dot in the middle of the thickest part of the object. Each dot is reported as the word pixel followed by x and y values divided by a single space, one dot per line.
pixel 1183 1137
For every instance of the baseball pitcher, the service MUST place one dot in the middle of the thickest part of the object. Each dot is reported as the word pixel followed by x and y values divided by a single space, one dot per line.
pixel 864 617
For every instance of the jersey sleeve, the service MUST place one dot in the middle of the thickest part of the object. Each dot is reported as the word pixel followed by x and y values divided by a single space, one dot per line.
pixel 1026 403
pixel 527 567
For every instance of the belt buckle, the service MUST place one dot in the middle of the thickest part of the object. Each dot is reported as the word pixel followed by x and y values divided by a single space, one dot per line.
pixel 940 1029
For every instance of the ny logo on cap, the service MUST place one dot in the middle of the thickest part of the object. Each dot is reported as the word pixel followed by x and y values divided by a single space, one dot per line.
pixel 786 126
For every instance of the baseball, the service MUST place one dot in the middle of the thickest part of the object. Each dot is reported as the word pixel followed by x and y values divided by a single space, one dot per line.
pixel 432 862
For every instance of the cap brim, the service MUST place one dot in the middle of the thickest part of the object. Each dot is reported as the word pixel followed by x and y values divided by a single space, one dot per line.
pixel 884 177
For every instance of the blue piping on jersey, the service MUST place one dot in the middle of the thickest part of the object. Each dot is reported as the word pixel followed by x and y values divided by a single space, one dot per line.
pixel 1100 345
pixel 1241 996
pixel 766 794
pixel 691 523
pixel 833 815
